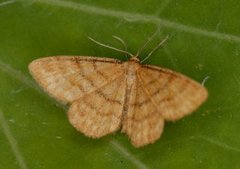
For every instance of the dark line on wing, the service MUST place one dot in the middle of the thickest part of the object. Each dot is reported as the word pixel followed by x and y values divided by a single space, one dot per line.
pixel 144 117
pixel 80 58
pixel 101 94
pixel 78 85
pixel 72 82
pixel 77 63
pixel 99 72
pixel 169 81
pixel 97 60
pixel 156 68
pixel 168 98
pixel 139 104
pixel 155 93
pixel 153 81
pixel 89 80
pixel 102 74
pixel 92 107
pixel 89 105
pixel 82 75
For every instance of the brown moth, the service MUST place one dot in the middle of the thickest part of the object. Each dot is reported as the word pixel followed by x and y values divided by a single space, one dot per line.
pixel 107 94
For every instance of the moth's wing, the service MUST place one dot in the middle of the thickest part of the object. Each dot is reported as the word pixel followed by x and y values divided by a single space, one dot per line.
pixel 100 112
pixel 173 94
pixel 157 95
pixel 142 122
pixel 68 78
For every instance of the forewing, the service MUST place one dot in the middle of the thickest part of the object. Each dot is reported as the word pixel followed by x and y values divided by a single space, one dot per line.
pixel 68 78
pixel 100 112
pixel 142 122
pixel 173 94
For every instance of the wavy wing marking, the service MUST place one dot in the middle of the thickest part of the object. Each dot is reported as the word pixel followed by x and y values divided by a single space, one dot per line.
pixel 70 78
pixel 100 112
pixel 173 94
pixel 142 123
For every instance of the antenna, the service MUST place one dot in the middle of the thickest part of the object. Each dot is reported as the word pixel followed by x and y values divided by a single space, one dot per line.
pixel 154 49
pixel 110 47
pixel 123 43
pixel 148 41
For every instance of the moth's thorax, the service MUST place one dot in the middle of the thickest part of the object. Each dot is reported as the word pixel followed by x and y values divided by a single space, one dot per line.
pixel 131 68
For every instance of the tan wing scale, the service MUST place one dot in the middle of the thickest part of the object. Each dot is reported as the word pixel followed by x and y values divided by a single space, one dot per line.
pixel 143 123
pixel 173 94
pixel 100 112
pixel 69 78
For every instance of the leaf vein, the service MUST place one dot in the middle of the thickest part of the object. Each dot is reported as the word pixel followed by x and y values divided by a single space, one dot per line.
pixel 116 145
pixel 219 143
pixel 7 2
pixel 144 18
pixel 12 141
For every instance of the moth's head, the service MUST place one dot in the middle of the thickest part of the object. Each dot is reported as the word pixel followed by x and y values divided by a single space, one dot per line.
pixel 134 58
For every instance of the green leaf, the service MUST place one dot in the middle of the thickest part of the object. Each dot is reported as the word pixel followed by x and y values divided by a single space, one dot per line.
pixel 204 44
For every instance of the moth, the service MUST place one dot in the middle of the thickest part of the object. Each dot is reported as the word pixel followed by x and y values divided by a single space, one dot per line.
pixel 107 94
